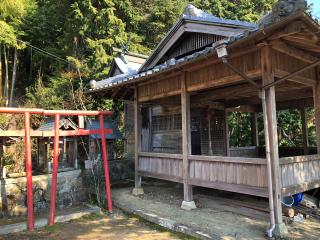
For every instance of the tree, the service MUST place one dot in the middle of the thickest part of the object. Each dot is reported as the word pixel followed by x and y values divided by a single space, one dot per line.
pixel 12 14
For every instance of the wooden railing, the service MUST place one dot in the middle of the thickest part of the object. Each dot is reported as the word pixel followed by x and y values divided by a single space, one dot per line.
pixel 299 173
pixel 235 174
pixel 161 165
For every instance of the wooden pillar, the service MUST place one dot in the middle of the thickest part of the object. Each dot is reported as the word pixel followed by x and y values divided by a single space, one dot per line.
pixel 75 152
pixel 316 97
pixel 271 118
pixel 304 131
pixel 210 152
pixel 137 137
pixel 227 138
pixel 255 131
pixel 186 141
pixel 137 144
pixel 150 146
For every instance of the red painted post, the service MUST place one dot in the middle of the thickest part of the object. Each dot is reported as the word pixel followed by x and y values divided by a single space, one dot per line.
pixel 29 171
pixel 54 169
pixel 105 162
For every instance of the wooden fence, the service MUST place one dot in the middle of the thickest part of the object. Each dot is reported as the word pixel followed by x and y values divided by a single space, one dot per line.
pixel 235 174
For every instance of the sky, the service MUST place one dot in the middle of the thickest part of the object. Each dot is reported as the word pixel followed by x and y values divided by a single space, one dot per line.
pixel 316 7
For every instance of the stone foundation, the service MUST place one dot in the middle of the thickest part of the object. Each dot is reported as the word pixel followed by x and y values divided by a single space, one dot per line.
pixel 13 193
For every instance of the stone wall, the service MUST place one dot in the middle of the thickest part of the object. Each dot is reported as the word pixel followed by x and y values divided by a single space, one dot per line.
pixel 121 169
pixel 13 200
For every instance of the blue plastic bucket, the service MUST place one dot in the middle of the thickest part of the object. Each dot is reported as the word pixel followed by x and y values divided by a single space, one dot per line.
pixel 297 199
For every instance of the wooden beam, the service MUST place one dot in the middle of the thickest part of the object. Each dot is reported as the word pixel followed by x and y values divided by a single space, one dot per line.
pixel 224 81
pixel 293 52
pixel 270 116
pixel 290 30
pixel 297 79
pixel 240 73
pixel 159 96
pixel 294 74
pixel 225 93
pixel 186 141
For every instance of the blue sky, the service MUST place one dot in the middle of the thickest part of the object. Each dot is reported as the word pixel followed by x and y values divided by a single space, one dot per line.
pixel 316 7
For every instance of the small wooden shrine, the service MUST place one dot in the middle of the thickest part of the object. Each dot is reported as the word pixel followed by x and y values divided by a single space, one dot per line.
pixel 68 158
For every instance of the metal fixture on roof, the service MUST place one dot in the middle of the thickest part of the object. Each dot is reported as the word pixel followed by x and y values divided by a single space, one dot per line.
pixel 222 53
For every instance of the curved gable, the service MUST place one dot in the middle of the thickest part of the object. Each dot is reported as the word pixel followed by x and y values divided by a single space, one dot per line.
pixel 194 30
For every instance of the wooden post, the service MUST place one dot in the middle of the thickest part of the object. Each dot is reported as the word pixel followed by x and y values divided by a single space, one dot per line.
pixel 271 119
pixel 75 152
pixel 255 131
pixel 137 137
pixel 304 131
pixel 210 152
pixel 188 203
pixel 316 97
pixel 227 138
pixel 150 147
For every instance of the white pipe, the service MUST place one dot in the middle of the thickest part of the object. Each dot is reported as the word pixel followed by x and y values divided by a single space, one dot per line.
pixel 268 157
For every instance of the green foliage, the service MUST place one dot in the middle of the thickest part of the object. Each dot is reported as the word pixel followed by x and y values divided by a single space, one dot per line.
pixel 289 128
pixel 161 18
pixel 12 15
pixel 240 129
pixel 4 121
pixel 94 24
pixel 246 10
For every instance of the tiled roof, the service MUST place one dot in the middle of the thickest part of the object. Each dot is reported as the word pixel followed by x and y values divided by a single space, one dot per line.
pixel 108 124
pixel 172 63
pixel 193 13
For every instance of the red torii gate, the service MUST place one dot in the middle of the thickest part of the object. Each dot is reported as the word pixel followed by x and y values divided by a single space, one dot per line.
pixel 80 132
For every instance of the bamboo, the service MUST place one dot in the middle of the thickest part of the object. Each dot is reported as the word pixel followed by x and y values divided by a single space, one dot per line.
pixel 14 74
pixel 6 84
pixel 1 73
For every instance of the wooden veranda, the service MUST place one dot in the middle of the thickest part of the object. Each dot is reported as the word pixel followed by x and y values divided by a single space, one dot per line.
pixel 262 70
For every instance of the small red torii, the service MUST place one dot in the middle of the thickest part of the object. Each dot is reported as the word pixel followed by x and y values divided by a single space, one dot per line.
pixel 27 112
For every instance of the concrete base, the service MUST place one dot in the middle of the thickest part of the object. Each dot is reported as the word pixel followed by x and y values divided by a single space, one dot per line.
pixel 280 231
pixel 137 191
pixel 188 205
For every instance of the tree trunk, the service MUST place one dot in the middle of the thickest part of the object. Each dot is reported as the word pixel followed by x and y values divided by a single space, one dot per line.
pixel 14 74
pixel 0 73
pixel 6 85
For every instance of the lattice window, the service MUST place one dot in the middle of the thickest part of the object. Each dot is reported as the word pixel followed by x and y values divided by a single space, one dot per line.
pixel 166 123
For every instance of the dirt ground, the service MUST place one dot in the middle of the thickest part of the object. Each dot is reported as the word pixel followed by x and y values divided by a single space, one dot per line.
pixel 212 216
pixel 98 226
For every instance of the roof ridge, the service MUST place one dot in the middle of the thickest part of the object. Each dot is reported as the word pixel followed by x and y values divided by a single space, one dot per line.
pixel 193 12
